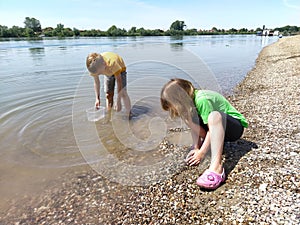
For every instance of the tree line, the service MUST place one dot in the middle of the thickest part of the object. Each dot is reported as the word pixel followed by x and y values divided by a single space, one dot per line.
pixel 33 28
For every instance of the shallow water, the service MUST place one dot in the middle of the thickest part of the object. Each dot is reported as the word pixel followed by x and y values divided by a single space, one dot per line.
pixel 45 90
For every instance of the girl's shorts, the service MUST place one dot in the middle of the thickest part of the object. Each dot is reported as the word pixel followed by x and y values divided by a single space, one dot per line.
pixel 110 81
pixel 233 127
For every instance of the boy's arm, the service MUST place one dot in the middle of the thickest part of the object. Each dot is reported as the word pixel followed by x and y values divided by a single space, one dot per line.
pixel 97 91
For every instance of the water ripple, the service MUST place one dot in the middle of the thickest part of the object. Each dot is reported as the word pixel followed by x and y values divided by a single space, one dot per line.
pixel 37 128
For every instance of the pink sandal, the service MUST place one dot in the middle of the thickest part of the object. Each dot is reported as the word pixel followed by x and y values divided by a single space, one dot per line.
pixel 211 180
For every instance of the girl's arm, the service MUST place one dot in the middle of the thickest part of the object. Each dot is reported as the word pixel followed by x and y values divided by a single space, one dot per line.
pixel 195 156
pixel 206 144
pixel 197 140
pixel 198 134
pixel 97 91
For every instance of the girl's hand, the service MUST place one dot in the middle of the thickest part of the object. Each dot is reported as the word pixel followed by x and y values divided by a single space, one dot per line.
pixel 97 104
pixel 194 157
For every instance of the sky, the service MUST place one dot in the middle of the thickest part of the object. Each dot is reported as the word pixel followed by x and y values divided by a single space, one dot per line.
pixel 152 14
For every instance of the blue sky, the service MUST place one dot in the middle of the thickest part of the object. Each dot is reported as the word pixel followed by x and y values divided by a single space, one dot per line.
pixel 152 14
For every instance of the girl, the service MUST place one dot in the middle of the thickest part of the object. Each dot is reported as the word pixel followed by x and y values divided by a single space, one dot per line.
pixel 212 120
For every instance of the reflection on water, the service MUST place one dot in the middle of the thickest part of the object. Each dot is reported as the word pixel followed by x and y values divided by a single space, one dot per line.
pixel 176 42
pixel 37 54
pixel 265 41
pixel 39 79
pixel 37 51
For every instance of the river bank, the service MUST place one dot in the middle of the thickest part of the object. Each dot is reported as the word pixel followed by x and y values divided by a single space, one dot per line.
pixel 263 180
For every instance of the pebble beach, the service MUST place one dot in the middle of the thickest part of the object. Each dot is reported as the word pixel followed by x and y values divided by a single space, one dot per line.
pixel 263 179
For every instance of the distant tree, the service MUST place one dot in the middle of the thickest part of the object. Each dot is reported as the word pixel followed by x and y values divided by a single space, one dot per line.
pixel 232 31
pixel 48 31
pixel 59 27
pixel 76 32
pixel 89 33
pixel 16 31
pixel 156 32
pixel 29 32
pixel 191 32
pixel 177 25
pixel 141 31
pixel 214 29
pixel 132 31
pixel 286 30
pixel 33 24
pixel 243 30
pixel 68 32
pixel 293 29
pixel 93 33
pixel 114 31
pixel 59 31
pixel 4 31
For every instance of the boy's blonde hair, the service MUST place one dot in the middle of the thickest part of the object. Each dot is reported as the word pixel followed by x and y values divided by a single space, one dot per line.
pixel 93 62
pixel 177 97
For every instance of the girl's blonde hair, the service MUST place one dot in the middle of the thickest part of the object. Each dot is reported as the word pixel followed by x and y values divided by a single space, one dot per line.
pixel 177 97
pixel 93 62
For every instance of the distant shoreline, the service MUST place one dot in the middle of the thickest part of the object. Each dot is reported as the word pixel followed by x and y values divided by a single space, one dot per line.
pixel 126 36
pixel 33 29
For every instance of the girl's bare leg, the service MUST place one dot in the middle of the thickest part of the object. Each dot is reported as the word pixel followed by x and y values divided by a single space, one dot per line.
pixel 217 133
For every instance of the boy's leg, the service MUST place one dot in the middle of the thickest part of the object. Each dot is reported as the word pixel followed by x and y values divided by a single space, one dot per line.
pixel 109 86
pixel 123 92
pixel 109 100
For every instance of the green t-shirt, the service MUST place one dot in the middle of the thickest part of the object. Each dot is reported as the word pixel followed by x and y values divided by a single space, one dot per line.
pixel 207 101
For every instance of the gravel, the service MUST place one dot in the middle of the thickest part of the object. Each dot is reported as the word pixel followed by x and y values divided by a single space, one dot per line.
pixel 263 180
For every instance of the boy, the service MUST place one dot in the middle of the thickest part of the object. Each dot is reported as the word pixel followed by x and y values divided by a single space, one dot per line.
pixel 113 67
